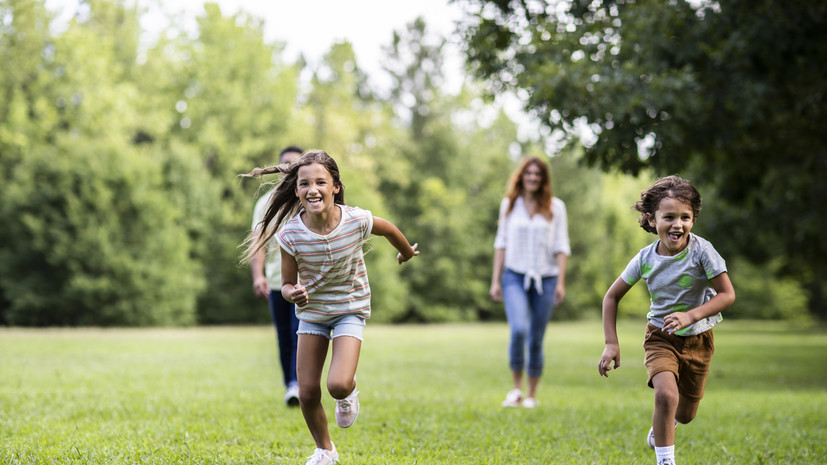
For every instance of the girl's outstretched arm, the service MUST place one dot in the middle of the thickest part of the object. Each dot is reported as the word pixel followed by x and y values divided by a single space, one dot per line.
pixel 611 354
pixel 390 232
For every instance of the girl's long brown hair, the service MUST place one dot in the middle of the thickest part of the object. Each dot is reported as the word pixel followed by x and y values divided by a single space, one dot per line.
pixel 285 204
pixel 516 189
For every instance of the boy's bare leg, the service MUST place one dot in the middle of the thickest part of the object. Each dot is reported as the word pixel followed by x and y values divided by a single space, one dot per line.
pixel 666 404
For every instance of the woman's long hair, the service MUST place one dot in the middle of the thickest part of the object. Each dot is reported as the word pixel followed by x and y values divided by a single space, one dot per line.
pixel 284 203
pixel 516 188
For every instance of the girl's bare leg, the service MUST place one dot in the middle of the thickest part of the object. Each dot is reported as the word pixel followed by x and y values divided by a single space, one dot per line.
pixel 343 363
pixel 310 358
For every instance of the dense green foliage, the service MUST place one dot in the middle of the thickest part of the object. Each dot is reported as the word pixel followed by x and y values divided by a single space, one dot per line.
pixel 119 154
pixel 730 94
pixel 206 396
pixel 83 265
pixel 145 141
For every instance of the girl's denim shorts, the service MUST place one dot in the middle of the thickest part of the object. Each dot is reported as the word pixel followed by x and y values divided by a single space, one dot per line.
pixel 345 325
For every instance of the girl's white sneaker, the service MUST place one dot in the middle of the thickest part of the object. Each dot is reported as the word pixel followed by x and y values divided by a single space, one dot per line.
pixel 347 409
pixel 323 457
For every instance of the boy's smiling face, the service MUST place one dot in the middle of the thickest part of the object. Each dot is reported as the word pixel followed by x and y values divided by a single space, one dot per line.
pixel 672 221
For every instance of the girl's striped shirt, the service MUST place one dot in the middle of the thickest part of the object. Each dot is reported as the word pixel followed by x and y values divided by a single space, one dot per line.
pixel 332 267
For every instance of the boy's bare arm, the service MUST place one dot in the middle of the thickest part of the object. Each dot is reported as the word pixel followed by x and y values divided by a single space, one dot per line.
pixel 724 298
pixel 611 353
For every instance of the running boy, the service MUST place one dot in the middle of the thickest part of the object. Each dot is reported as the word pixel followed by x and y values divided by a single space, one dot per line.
pixel 689 287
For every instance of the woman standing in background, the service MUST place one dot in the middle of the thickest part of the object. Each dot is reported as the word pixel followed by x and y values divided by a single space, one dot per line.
pixel 530 257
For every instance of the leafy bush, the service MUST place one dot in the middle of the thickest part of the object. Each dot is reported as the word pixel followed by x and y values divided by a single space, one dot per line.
pixel 761 295
pixel 91 238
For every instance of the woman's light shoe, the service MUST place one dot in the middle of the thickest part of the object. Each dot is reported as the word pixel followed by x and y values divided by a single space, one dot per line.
pixel 530 402
pixel 513 398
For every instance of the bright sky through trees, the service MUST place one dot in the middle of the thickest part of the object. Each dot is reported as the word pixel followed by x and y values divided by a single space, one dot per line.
pixel 311 27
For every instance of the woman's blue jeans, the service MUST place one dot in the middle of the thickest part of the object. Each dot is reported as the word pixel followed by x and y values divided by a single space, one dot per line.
pixel 528 314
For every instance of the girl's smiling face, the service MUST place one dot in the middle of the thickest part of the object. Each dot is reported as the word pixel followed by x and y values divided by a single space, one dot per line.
pixel 673 221
pixel 315 188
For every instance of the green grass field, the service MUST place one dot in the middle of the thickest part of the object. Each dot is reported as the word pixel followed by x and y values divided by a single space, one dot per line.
pixel 429 394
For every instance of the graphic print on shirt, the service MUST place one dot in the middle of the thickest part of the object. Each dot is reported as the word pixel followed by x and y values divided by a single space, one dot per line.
pixel 677 283
pixel 685 281
pixel 646 270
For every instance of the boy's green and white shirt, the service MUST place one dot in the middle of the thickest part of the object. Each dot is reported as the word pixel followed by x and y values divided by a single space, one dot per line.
pixel 678 283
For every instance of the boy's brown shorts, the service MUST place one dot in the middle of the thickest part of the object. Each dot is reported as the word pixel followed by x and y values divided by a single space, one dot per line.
pixel 687 357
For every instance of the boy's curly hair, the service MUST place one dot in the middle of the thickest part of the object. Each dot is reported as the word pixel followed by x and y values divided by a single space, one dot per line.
pixel 669 187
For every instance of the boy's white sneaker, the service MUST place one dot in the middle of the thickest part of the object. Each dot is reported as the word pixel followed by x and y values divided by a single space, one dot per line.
pixel 513 398
pixel 650 438
pixel 323 457
pixel 347 409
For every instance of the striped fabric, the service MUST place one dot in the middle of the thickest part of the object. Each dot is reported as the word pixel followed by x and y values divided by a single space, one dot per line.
pixel 331 267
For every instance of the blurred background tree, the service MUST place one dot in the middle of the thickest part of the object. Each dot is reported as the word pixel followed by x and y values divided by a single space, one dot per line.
pixel 120 202
pixel 730 94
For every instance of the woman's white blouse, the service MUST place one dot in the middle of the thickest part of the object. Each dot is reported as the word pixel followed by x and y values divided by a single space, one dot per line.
pixel 531 243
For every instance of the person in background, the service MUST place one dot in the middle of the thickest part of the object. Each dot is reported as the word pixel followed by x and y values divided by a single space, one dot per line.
pixel 266 268
pixel 531 252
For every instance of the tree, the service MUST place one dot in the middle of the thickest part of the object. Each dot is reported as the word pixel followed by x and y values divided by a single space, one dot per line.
pixel 90 235
pixel 340 117
pixel 93 240
pixel 730 94
pixel 232 99
pixel 446 181
pixel 27 114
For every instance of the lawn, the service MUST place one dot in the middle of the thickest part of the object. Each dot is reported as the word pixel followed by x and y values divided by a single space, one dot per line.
pixel 429 394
